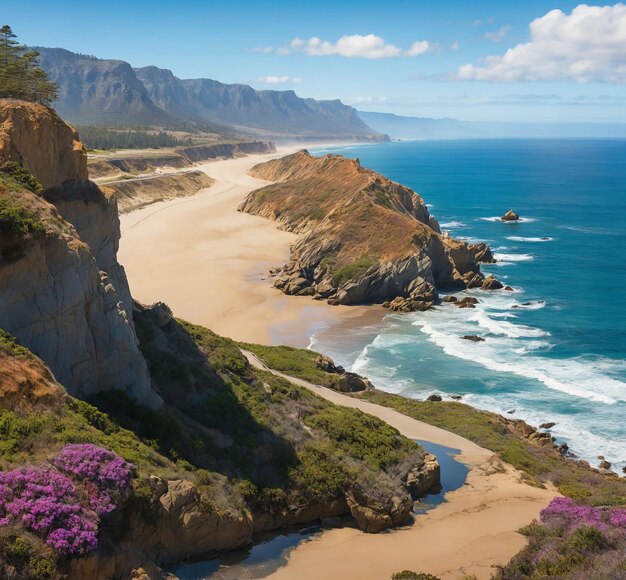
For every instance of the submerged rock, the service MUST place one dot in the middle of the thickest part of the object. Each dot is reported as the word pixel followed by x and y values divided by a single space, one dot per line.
pixel 548 425
pixel 473 338
pixel 434 398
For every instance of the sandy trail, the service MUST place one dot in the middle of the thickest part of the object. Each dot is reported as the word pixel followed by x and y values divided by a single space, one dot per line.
pixel 208 262
pixel 472 533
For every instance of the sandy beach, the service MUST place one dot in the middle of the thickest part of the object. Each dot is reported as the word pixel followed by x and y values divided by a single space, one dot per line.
pixel 471 533
pixel 209 262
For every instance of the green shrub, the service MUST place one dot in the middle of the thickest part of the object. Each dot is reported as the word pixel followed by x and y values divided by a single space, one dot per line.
pixel 17 221
pixel 353 270
pixel 9 344
pixel 22 177
pixel 410 575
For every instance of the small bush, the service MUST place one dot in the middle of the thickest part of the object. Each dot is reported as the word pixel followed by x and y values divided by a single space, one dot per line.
pixel 22 177
pixel 410 575
pixel 17 221
pixel 353 270
pixel 9 344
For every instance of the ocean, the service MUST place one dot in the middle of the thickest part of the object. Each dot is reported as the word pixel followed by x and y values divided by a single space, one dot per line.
pixel 555 349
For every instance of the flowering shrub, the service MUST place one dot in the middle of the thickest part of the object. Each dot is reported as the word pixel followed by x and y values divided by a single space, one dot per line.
pixel 46 502
pixel 104 474
pixel 64 505
pixel 574 515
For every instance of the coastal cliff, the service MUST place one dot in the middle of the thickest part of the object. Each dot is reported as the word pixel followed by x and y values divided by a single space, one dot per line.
pixel 364 238
pixel 62 292
pixel 207 450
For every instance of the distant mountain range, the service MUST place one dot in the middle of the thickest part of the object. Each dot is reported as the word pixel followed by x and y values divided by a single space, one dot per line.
pixel 111 92
pixel 400 127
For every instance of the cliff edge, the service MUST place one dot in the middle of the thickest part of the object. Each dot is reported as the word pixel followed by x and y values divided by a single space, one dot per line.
pixel 62 292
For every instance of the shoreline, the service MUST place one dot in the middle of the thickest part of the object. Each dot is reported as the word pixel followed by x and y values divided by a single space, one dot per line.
pixel 471 533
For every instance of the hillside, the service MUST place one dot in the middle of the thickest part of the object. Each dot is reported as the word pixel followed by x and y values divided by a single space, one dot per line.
pixel 99 91
pixel 197 450
pixel 363 238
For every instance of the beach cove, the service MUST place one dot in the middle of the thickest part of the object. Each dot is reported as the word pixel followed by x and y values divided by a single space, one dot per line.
pixel 209 263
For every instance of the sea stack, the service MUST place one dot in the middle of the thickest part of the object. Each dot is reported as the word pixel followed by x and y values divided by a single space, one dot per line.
pixel 510 216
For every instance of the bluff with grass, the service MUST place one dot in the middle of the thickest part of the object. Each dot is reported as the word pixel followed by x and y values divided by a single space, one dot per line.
pixel 363 238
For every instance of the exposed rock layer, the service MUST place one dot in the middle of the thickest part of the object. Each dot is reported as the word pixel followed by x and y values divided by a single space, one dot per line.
pixel 64 295
pixel 136 193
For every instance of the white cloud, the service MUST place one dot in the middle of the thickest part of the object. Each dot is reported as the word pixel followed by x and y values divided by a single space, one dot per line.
pixel 279 80
pixel 419 47
pixel 587 45
pixel 368 46
pixel 455 45
pixel 498 35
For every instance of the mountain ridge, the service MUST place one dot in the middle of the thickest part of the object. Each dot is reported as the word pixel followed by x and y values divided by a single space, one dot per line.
pixel 112 92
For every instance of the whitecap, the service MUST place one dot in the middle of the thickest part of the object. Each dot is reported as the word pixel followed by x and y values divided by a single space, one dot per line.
pixel 529 240
pixel 513 257
pixel 453 224
pixel 506 328
pixel 570 376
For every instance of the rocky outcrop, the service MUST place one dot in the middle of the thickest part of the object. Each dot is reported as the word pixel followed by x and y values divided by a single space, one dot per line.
pixel 348 382
pixel 64 295
pixel 510 216
pixel 473 338
pixel 364 238
pixel 425 478
pixel 38 139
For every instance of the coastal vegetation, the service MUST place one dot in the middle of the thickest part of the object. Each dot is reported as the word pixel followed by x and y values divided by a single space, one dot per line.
pixel 581 534
pixel 104 138
pixel 250 442
pixel 20 75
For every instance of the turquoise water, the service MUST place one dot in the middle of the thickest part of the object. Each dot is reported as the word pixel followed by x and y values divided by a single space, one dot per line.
pixel 555 350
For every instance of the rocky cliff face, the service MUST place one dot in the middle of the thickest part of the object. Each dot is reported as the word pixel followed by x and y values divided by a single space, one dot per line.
pixel 364 238
pixel 62 292
pixel 97 91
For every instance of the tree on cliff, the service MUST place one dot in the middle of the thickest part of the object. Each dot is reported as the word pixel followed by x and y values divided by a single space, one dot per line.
pixel 20 75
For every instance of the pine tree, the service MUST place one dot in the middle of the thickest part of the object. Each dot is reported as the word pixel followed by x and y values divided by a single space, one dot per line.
pixel 20 74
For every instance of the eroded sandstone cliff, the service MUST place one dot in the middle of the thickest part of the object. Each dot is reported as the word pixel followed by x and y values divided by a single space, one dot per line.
pixel 364 238
pixel 62 292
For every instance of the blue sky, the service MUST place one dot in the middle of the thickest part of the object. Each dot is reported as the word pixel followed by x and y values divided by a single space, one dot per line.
pixel 424 58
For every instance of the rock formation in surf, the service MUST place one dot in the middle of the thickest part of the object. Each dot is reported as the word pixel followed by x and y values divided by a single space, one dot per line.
pixel 363 238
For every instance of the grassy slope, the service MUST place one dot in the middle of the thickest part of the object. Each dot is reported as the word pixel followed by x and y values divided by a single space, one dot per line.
pixel 575 554
pixel 482 427
pixel 249 440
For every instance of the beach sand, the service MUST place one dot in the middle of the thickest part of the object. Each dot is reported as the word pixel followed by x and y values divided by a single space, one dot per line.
pixel 210 263
pixel 471 533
